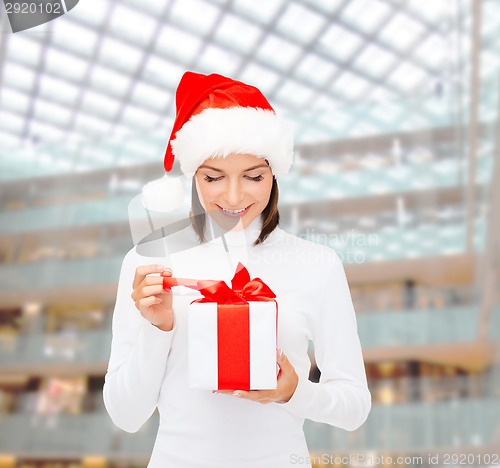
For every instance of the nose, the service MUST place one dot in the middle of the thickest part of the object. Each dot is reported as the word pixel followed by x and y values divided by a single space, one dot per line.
pixel 234 193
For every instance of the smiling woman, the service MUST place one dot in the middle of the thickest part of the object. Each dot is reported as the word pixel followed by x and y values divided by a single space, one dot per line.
pixel 228 138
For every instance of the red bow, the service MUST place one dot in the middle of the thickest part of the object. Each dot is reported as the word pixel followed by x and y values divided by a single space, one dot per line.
pixel 243 288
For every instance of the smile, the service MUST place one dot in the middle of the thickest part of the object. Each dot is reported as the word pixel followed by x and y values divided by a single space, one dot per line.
pixel 235 212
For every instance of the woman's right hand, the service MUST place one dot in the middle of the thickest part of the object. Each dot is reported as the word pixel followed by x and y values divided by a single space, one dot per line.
pixel 152 301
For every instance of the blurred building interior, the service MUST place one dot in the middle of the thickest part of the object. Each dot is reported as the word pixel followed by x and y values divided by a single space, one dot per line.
pixel 395 106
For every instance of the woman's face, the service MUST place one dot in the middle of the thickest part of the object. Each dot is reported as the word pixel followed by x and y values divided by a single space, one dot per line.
pixel 234 190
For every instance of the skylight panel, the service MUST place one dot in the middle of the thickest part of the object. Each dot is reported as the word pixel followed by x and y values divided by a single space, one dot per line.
pixel 351 85
pixel 100 104
pixel 300 22
pixel 162 72
pixel 153 7
pixel 263 12
pixel 122 55
pixel 279 52
pixel 490 18
pixel 401 32
pixel 315 70
pixel 141 148
pixel 11 121
pixel 139 117
pixel 196 15
pixel 325 102
pixel 52 113
pixel 339 43
pixel 91 125
pixel 432 51
pixel 218 60
pixel 366 15
pixel 490 64
pixel 407 77
pixel 236 32
pixel 131 24
pixel 261 77
pixel 328 6
pixel 14 100
pixel 66 65
pixel 434 11
pixel 114 83
pixel 151 96
pixel 71 36
pixel 8 140
pixel 381 95
pixel 186 47
pixel 46 132
pixel 55 89
pixel 93 13
pixel 375 61
pixel 295 93
pixel 18 76
pixel 23 50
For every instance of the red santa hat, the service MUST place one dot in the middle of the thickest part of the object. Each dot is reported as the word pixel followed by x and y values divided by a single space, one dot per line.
pixel 217 116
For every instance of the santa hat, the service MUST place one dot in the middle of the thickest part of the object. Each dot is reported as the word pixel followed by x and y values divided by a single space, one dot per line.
pixel 217 116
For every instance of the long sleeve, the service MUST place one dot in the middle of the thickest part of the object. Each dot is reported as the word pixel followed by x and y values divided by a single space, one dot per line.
pixel 138 357
pixel 341 398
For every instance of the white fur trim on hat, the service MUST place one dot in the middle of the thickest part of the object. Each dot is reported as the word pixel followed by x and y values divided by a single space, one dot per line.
pixel 219 132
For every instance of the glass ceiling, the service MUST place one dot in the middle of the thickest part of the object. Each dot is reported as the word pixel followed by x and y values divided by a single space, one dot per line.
pixel 76 91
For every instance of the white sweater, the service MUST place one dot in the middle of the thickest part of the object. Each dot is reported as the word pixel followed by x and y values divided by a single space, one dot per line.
pixel 148 367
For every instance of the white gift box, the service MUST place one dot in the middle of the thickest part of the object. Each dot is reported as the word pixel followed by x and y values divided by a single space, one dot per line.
pixel 203 346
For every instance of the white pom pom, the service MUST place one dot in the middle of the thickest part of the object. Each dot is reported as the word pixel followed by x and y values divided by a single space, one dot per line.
pixel 162 195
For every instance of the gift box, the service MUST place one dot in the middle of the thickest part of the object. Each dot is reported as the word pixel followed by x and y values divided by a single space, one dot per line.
pixel 232 333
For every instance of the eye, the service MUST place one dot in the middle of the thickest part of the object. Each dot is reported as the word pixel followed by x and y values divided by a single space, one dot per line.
pixel 212 179
pixel 256 178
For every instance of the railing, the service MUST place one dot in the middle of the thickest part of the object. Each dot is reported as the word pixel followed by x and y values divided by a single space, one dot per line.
pixel 90 347
pixel 451 425
pixel 451 325
pixel 416 427
pixel 295 187
pixel 73 435
pixel 415 327
pixel 60 274
pixel 433 389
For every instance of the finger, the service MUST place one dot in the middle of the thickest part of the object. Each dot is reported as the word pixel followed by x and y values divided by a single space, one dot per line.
pixel 260 396
pixel 146 291
pixel 151 280
pixel 151 291
pixel 142 271
pixel 148 302
pixel 283 361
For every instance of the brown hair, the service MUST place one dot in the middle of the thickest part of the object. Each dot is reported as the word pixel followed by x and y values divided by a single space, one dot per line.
pixel 270 216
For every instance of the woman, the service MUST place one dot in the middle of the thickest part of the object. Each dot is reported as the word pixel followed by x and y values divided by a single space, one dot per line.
pixel 227 136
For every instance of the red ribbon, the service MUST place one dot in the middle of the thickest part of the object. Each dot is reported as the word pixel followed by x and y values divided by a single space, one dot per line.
pixel 233 321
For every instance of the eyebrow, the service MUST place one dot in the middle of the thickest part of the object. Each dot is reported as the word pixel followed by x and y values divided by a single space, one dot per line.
pixel 220 170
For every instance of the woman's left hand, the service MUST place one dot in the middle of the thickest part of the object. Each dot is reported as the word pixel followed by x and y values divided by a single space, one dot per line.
pixel 287 383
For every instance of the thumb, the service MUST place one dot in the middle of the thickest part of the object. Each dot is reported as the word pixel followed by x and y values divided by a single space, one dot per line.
pixel 282 360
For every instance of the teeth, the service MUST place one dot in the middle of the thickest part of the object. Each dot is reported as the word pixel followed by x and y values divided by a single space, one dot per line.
pixel 234 211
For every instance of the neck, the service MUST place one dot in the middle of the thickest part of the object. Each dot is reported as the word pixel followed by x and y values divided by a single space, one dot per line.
pixel 236 236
